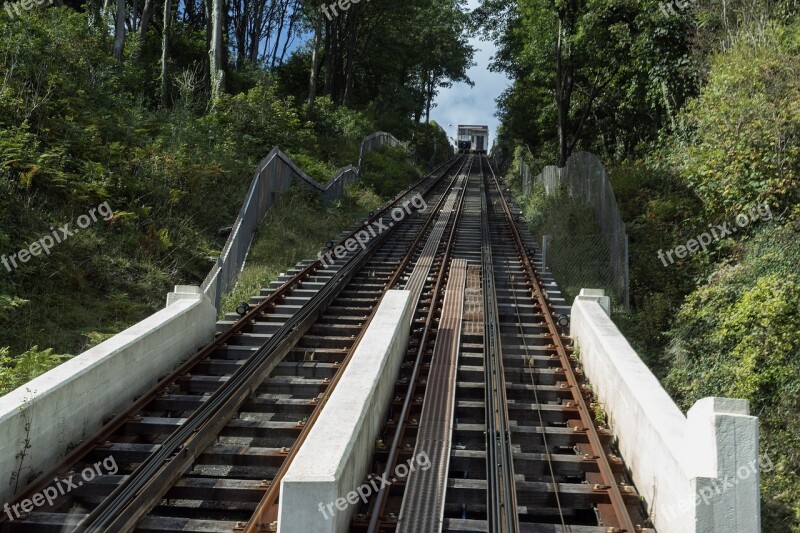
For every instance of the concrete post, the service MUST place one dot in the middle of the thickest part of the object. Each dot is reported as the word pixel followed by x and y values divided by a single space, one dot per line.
pixel 596 295
pixel 722 448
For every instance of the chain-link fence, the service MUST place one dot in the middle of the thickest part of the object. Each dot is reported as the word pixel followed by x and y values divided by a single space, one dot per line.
pixel 584 178
pixel 273 176
pixel 580 262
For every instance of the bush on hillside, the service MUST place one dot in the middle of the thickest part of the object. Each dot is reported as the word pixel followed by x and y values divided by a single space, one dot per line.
pixel 737 336
pixel 744 146
pixel 387 171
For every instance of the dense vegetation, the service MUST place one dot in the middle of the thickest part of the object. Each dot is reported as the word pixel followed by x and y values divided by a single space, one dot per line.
pixel 160 111
pixel 695 110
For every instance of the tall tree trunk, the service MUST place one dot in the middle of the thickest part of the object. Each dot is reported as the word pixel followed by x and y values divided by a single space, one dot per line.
pixel 95 18
pixel 134 15
pixel 144 24
pixel 215 53
pixel 119 32
pixel 206 61
pixel 281 14
pixel 349 79
pixel 165 52
pixel 289 32
pixel 563 97
pixel 428 102
pixel 315 61
pixel 147 12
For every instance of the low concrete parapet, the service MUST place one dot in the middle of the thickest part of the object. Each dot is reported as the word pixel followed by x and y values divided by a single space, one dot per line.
pixel 697 473
pixel 337 454
pixel 55 411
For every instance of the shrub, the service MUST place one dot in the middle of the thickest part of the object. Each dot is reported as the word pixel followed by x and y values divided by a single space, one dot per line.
pixel 745 142
pixel 737 336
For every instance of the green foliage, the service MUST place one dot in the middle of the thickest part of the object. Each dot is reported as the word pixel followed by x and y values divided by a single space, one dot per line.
pixel 431 145
pixel 321 171
pixel 744 146
pixel 660 212
pixel 577 254
pixel 78 129
pixel 707 100
pixel 19 370
pixel 9 305
pixel 620 62
pixel 737 336
pixel 387 171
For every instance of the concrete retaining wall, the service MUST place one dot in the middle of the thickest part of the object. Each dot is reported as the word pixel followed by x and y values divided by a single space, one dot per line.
pixel 64 405
pixel 337 455
pixel 697 473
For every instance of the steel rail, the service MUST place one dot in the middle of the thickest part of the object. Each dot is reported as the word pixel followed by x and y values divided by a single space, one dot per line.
pixel 399 272
pixel 501 508
pixel 607 474
pixel 380 502
pixel 529 362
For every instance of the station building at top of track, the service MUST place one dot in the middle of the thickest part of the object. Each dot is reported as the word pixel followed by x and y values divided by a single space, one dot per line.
pixel 473 138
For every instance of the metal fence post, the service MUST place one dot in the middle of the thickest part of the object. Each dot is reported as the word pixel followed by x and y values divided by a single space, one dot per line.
pixel 627 277
pixel 545 239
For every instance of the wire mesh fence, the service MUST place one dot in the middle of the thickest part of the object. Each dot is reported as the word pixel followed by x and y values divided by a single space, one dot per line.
pixel 584 178
pixel 578 262
pixel 272 177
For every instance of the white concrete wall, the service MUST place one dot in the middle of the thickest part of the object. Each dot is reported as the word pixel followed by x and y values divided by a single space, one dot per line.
pixel 337 455
pixel 679 463
pixel 68 403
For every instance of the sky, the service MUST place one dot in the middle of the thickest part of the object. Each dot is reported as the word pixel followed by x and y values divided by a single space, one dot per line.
pixel 462 104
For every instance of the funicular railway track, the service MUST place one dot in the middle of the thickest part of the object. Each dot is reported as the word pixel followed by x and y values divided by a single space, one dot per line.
pixel 500 407
pixel 489 390
pixel 204 451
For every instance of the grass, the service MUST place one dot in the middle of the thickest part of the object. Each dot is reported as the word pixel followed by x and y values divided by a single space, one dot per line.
pixel 578 255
